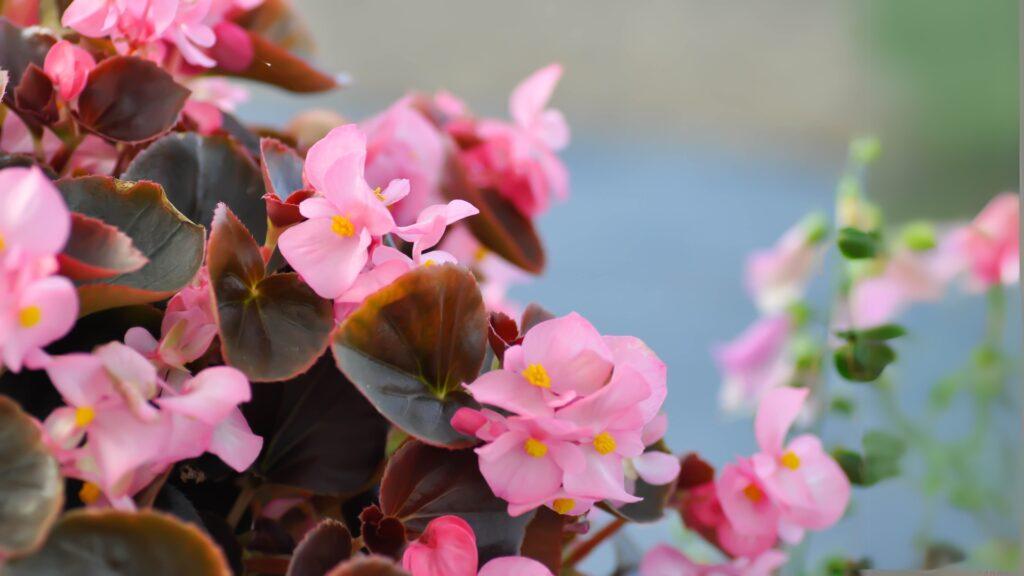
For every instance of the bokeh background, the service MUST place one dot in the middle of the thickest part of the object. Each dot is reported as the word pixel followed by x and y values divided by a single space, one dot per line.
pixel 701 130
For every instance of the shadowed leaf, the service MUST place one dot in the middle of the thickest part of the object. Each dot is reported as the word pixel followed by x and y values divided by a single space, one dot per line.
pixel 422 483
pixel 368 566
pixel 97 250
pixel 20 48
pixel 271 327
pixel 116 543
pixel 275 65
pixel 544 538
pixel 199 172
pixel 410 347
pixel 32 488
pixel 172 244
pixel 323 547
pixel 130 100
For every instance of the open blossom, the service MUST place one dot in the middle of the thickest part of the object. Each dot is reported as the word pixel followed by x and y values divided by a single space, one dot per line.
pixel 448 548
pixel 210 98
pixel 519 159
pixel 331 248
pixel 991 243
pixel 68 66
pixel 187 330
pixel 755 362
pixel 777 277
pixel 36 307
pixel 664 560
pixel 583 409
pixel 134 424
pixel 402 144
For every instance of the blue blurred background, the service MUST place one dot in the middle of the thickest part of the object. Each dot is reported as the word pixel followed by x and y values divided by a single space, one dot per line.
pixel 701 130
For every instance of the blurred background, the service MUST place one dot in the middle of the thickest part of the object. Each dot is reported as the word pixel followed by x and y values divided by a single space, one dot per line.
pixel 702 130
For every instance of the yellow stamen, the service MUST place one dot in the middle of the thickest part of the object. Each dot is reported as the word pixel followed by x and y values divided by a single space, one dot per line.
pixel 3 244
pixel 753 493
pixel 535 448
pixel 379 194
pixel 536 374
pixel 428 263
pixel 84 415
pixel 604 443
pixel 480 254
pixel 790 460
pixel 342 226
pixel 563 505
pixel 29 316
pixel 89 493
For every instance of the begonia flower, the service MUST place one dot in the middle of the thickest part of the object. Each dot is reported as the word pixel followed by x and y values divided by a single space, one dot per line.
pixel 448 548
pixel 68 67
pixel 665 560
pixel 755 362
pixel 991 243
pixel 777 277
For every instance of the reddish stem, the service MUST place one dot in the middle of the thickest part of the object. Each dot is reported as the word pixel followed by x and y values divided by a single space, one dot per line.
pixel 587 546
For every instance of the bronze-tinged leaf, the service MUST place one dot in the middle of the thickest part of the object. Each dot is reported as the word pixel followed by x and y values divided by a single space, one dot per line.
pixel 18 49
pixel 97 250
pixel 271 327
pixel 655 498
pixel 368 566
pixel 33 491
pixel 321 434
pixel 499 226
pixel 35 97
pixel 117 543
pixel 533 315
pixel 275 65
pixel 130 100
pixel 384 535
pixel 422 482
pixel 172 244
pixel 545 538
pixel 281 167
pixel 410 347
pixel 199 172
pixel 277 21
pixel 323 548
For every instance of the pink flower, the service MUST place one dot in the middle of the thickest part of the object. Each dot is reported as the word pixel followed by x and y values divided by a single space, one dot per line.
pixel 15 138
pixel 664 560
pixel 559 360
pixel 519 159
pixel 751 513
pixel 811 490
pixel 448 548
pixel 991 243
pixel 431 224
pixel 209 99
pixel 68 66
pixel 331 248
pixel 777 277
pixel 755 362
pixel 402 144
pixel 494 274
pixel 187 330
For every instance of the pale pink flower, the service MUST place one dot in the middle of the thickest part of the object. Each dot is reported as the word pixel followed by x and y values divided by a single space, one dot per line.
pixel 665 560
pixel 777 277
pixel 559 360
pixel 402 144
pixel 809 487
pixel 210 98
pixel 93 156
pixel 15 138
pixel 991 242
pixel 388 264
pixel 431 224
pixel 68 67
pixel 331 248
pixel 494 274
pixel 187 330
pixel 908 277
pixel 752 516
pixel 448 548
pixel 519 159
pixel 755 362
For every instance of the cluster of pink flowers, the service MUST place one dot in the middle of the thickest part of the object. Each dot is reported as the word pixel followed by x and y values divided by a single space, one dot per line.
pixel 123 425
pixel 777 494
pixel 581 408
pixel 197 30
pixel 37 306
pixel 448 548
pixel 339 250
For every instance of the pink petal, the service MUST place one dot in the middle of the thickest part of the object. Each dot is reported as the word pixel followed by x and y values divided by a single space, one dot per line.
pixel 344 144
pixel 749 516
pixel 655 429
pixel 531 96
pixel 779 408
pixel 603 478
pixel 571 351
pixel 598 410
pixel 211 395
pixel 327 262
pixel 55 303
pixel 68 66
pixel 33 216
pixel 446 548
pixel 509 391
pixel 516 476
pixel 122 443
pixel 631 351
pixel 657 468
pixel 80 378
pixel 234 443
pixel 665 560
pixel 514 566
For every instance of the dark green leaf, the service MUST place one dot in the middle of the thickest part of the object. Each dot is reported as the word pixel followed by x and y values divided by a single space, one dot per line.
pixel 97 250
pixel 271 327
pixel 282 168
pixel 172 243
pixel 883 332
pixel 130 100
pixel 199 172
pixel 32 488
pixel 20 48
pixel 880 459
pixel 323 548
pixel 322 435
pixel 499 226
pixel 852 464
pixel 115 543
pixel 856 244
pixel 863 360
pixel 411 346
pixel 422 483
